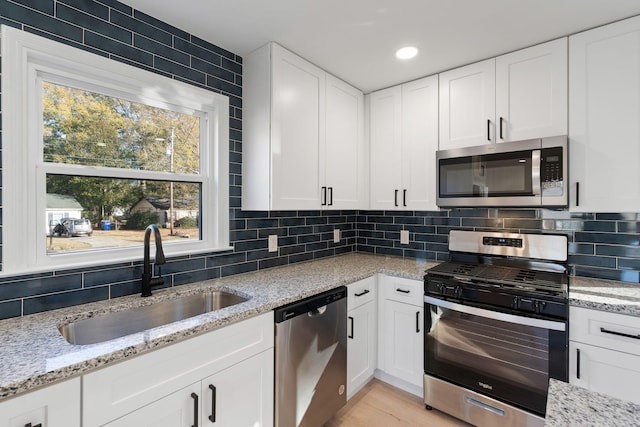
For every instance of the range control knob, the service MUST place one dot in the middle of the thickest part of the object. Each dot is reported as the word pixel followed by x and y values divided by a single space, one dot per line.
pixel 538 306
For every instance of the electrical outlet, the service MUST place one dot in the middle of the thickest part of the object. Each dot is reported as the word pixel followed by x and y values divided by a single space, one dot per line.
pixel 273 242
pixel 404 237
pixel 336 235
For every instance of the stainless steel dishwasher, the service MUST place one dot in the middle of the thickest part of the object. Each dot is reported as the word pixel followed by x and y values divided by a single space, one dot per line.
pixel 311 359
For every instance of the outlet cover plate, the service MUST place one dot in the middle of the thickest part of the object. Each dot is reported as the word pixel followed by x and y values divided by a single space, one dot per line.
pixel 273 242
pixel 404 237
pixel 336 235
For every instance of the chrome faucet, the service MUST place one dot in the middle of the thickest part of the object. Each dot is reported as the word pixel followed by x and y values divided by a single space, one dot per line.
pixel 147 275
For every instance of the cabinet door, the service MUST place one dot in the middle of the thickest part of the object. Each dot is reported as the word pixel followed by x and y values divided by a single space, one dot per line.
pixel 343 158
pixel 604 371
pixel 531 92
pixel 297 131
pixel 467 105
pixel 182 408
pixel 361 346
pixel 604 107
pixel 419 143
pixel 402 342
pixel 385 144
pixel 243 394
pixel 57 405
pixel 134 383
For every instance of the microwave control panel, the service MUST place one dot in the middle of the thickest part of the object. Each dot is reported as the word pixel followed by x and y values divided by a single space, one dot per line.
pixel 551 171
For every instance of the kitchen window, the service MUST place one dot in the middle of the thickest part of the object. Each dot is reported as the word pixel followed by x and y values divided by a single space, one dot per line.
pixel 120 146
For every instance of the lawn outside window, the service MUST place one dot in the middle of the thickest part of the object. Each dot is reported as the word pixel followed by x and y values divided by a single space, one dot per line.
pixel 118 142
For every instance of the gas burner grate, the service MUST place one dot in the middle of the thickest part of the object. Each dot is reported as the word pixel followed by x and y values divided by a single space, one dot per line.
pixel 464 269
pixel 501 276
pixel 526 276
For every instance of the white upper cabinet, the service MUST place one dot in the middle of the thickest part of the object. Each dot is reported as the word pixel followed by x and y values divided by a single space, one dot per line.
pixel 419 143
pixel 604 108
pixel 285 146
pixel 385 121
pixel 403 141
pixel 467 105
pixel 343 164
pixel 520 95
pixel 531 92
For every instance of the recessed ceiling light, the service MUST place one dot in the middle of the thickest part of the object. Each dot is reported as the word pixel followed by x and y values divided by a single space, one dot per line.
pixel 407 52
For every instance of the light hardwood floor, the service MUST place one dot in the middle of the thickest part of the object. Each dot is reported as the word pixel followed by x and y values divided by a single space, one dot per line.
pixel 381 405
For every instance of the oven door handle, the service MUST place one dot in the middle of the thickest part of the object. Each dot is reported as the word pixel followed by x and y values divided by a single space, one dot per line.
pixel 497 315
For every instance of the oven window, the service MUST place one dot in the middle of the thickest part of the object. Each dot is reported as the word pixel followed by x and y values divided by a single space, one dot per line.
pixel 494 349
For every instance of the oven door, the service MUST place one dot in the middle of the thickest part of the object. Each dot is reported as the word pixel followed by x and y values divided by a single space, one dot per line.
pixel 505 356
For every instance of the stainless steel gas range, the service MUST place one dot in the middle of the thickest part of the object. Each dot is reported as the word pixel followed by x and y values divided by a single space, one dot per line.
pixel 496 327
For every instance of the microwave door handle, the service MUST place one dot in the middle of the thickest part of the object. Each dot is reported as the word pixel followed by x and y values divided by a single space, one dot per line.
pixel 535 173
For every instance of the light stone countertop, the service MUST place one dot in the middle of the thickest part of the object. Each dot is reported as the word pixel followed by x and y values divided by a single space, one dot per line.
pixel 572 406
pixel 605 295
pixel 33 353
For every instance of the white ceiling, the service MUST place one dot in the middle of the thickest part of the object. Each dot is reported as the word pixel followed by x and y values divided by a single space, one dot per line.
pixel 356 39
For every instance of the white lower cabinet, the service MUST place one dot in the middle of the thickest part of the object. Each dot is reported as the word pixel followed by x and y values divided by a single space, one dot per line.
pixel 362 330
pixel 236 396
pixel 57 405
pixel 170 386
pixel 604 352
pixel 400 339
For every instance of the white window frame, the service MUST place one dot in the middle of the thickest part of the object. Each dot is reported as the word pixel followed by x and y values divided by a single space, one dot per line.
pixel 27 60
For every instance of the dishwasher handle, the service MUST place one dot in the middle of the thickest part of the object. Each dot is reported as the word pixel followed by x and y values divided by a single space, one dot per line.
pixel 317 311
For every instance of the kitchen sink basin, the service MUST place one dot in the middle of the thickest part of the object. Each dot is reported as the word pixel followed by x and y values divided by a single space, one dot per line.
pixel 126 322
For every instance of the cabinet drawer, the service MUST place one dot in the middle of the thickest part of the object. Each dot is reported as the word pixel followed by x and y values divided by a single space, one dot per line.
pixel 615 331
pixel 399 289
pixel 120 389
pixel 361 292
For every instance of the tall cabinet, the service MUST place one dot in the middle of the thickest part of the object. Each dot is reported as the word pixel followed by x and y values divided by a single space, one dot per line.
pixel 303 144
pixel 403 126
pixel 604 108
pixel 517 96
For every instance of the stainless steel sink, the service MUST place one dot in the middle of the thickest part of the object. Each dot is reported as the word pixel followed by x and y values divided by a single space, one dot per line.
pixel 121 323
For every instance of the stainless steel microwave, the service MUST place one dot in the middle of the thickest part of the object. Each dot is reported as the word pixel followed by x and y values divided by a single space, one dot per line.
pixel 523 173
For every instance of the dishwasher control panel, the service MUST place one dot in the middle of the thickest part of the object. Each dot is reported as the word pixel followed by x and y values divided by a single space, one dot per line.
pixel 309 304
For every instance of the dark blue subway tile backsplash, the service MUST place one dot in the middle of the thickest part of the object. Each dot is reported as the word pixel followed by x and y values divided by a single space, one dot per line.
pixel 603 245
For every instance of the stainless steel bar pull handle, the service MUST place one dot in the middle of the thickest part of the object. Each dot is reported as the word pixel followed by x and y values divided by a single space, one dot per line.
pixel 195 410
pixel 212 417
pixel 536 189
pixel 483 405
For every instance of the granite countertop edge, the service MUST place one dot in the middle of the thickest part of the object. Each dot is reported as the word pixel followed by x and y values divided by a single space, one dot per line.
pixel 34 354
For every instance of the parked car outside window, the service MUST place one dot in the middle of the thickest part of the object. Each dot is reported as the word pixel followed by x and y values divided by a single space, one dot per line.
pixel 68 227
